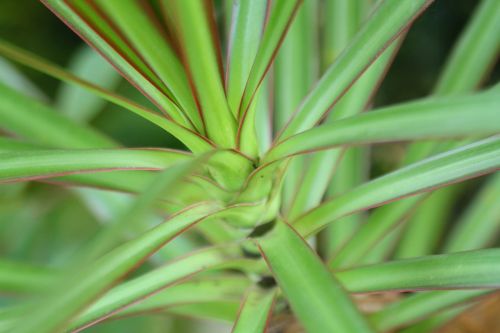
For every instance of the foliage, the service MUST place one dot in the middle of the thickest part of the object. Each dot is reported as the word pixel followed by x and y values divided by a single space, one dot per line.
pixel 259 216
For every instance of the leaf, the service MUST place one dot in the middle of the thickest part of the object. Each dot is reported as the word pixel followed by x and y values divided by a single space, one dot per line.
pixel 76 103
pixel 68 299
pixel 247 23
pixel 205 73
pixel 280 17
pixel 343 20
pixel 39 123
pixel 11 76
pixel 255 311
pixel 82 18
pixel 469 115
pixel 474 52
pixel 135 290
pixel 465 270
pixel 465 66
pixel 50 163
pixel 17 277
pixel 389 20
pixel 191 139
pixel 480 223
pixel 426 227
pixel 323 165
pixel 222 310
pixel 295 71
pixel 320 303
pixel 140 30
pixel 133 218
pixel 295 67
pixel 379 226
pixel 217 288
pixel 453 166
pixel 437 320
pixel 419 306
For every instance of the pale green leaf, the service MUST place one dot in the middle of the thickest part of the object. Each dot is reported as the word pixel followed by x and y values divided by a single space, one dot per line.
pixel 320 303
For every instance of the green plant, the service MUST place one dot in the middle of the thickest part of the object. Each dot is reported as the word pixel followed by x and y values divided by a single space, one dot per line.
pixel 247 192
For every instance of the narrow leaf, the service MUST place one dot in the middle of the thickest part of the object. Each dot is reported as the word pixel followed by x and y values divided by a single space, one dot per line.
pixel 69 298
pixel 137 289
pixel 77 103
pixel 469 115
pixel 50 163
pixel 453 166
pixel 247 23
pixel 255 311
pixel 193 140
pixel 196 40
pixel 465 270
pixel 40 123
pixel 389 20
pixel 320 303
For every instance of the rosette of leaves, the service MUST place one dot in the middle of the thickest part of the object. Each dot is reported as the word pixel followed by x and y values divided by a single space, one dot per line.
pixel 264 206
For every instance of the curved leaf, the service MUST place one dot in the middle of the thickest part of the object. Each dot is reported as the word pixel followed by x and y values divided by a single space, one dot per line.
pixel 135 290
pixel 191 139
pixel 68 299
pixel 466 162
pixel 51 163
pixel 430 118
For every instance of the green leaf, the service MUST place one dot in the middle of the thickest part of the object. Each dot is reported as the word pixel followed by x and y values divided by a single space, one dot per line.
pixel 474 53
pixel 480 223
pixel 68 299
pixel 76 103
pixel 465 270
pixel 17 277
pixel 436 321
pixel 378 227
pixel 216 288
pixel 320 303
pixel 247 24
pixel 95 30
pixel 191 139
pixel 296 65
pixel 39 123
pixel 15 79
pixel 148 284
pixel 419 306
pixel 453 166
pixel 50 163
pixel 463 72
pixel 222 310
pixel 323 165
pixel 132 219
pixel 195 39
pixel 280 18
pixel 469 115
pixel 255 311
pixel 427 226
pixel 140 30
pixel 342 21
pixel 389 20
pixel 295 71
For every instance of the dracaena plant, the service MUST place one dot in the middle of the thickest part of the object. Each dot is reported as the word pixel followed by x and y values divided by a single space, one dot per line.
pixel 267 204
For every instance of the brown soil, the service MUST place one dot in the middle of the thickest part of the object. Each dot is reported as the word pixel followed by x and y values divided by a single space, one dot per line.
pixel 481 318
